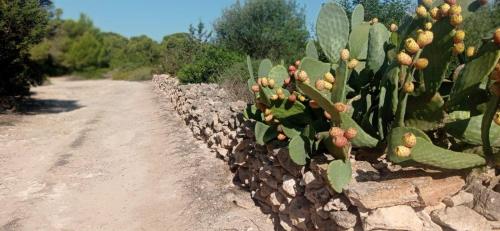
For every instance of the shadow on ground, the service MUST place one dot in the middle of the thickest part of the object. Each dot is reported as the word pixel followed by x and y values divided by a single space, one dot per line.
pixel 46 106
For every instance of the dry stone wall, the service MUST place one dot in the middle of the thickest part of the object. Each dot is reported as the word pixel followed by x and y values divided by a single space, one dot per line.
pixel 380 197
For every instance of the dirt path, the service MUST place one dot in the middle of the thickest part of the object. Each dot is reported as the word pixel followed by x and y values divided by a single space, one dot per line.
pixel 109 155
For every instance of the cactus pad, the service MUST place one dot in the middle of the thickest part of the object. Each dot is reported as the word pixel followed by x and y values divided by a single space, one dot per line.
pixel 332 28
pixel 339 174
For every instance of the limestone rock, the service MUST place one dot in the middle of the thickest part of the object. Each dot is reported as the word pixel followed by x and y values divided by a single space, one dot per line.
pixel 289 185
pixel 337 203
pixel 460 218
pixel 433 191
pixel 344 219
pixel 428 224
pixel 461 198
pixel 372 195
pixel 486 201
pixel 401 217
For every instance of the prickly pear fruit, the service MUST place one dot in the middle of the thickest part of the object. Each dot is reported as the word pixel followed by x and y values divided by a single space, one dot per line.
pixel 458 48
pixel 344 54
pixel 327 115
pixel 373 21
pixel 451 2
pixel 428 25
pixel 274 97
pixel 425 38
pixel 393 27
pixel 435 13
pixel 302 76
pixel 340 141
pixel 281 96
pixel 495 74
pixel 496 37
pixel 255 88
pixel 279 91
pixel 455 9
pixel 268 111
pixel 402 151
pixel 421 11
pixel 302 98
pixel 265 82
pixel 292 98
pixel 271 83
pixel 421 63
pixel 269 118
pixel 340 107
pixel 328 86
pixel 288 80
pixel 409 140
pixel 350 133
pixel 456 19
pixel 427 3
pixel 313 104
pixel 404 59
pixel 281 137
pixel 443 9
pixel 496 118
pixel 336 131
pixel 292 68
pixel 329 77
pixel 320 85
pixel 297 63
pixel 411 46
pixel 352 64
pixel 470 51
pixel 459 36
pixel 408 87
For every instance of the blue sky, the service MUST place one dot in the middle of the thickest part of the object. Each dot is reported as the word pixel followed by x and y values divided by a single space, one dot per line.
pixel 156 18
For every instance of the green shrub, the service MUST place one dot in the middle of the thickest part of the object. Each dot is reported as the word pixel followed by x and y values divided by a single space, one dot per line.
pixel 177 51
pixel 22 24
pixel 234 81
pixel 208 65
pixel 138 74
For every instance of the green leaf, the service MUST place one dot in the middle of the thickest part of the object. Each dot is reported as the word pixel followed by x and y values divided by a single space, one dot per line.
pixel 279 74
pixel 439 55
pixel 358 41
pixel 332 29
pixel 311 50
pixel 250 67
pixel 469 130
pixel 264 67
pixel 264 133
pixel 362 139
pixel 339 174
pixel 376 53
pixel 424 152
pixel 297 150
pixel 358 15
pixel 474 72
pixel 314 68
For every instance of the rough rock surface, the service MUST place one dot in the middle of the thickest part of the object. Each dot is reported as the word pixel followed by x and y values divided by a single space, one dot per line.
pixel 460 218
pixel 381 196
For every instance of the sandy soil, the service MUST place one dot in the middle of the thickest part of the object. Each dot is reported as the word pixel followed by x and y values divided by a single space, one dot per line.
pixel 110 155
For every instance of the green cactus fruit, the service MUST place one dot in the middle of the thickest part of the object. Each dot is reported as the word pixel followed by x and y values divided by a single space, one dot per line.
pixel 332 28
pixel 339 174
pixel 426 153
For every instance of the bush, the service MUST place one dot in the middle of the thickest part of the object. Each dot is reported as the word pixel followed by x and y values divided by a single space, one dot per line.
pixel 208 64
pixel 234 81
pixel 177 51
pixel 138 74
pixel 261 28
pixel 22 24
